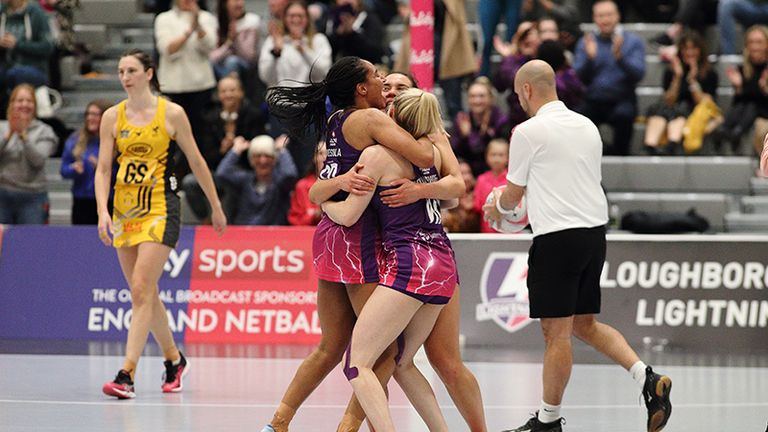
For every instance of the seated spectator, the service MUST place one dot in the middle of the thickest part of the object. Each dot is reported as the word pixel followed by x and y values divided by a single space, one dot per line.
pixel 78 162
pixel 688 80
pixel 497 158
pixel 352 31
pixel 570 90
pixel 473 130
pixel 462 218
pixel 750 103
pixel 233 119
pixel 263 189
pixel 563 14
pixel 610 63
pixel 745 12
pixel 288 56
pixel 185 36
pixel 515 54
pixel 25 45
pixel 303 211
pixel 25 144
pixel 238 44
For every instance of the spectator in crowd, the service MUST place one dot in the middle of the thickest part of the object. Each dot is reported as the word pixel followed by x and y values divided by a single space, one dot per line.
pixel 570 90
pixel 185 37
pixel 497 158
pixel 692 15
pixel 744 12
pixel 451 36
pixel 233 119
pixel 352 31
pixel 473 130
pixel 523 48
pixel 610 63
pixel 489 14
pixel 79 160
pixel 688 80
pixel 25 143
pixel 238 45
pixel 290 58
pixel 303 211
pixel 750 102
pixel 563 14
pixel 463 218
pixel 25 45
pixel 263 189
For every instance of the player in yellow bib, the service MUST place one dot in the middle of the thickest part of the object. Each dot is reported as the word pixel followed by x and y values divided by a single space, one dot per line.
pixel 146 129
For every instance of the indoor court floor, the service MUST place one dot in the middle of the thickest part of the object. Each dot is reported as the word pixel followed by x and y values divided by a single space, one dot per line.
pixel 237 388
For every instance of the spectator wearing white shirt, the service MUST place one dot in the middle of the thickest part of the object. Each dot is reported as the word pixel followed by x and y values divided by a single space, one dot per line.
pixel 185 37
pixel 292 55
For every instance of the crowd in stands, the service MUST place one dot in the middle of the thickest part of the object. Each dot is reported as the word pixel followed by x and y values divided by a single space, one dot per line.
pixel 218 66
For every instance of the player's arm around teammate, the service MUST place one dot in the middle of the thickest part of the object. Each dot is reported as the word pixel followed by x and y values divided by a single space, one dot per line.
pixel 366 127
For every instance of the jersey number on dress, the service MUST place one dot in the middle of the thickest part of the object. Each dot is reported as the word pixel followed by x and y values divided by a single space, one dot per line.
pixel 329 171
pixel 433 211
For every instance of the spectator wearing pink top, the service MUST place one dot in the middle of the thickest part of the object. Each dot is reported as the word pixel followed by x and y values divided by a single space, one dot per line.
pixel 497 158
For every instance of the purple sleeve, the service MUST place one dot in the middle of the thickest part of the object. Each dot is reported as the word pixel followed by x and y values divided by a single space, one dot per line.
pixel 505 76
pixel 570 90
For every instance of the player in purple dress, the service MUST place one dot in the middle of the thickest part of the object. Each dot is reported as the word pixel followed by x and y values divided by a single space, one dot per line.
pixel 344 257
pixel 417 272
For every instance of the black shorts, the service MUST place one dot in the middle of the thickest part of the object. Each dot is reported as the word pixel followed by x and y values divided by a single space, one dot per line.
pixel 564 272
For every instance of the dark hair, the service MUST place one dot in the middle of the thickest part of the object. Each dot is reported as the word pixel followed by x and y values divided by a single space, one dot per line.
pixel 223 16
pixel 85 134
pixel 695 38
pixel 552 52
pixel 146 61
pixel 301 110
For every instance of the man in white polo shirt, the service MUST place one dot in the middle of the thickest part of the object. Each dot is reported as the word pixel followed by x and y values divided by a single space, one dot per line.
pixel 554 158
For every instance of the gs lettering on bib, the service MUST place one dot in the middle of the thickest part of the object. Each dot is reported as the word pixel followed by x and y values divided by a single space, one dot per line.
pixel 136 172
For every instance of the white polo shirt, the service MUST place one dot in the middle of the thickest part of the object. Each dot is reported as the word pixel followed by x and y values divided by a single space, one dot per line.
pixel 556 155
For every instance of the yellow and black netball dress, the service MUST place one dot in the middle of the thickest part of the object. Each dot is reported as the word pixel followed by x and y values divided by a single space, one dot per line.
pixel 146 205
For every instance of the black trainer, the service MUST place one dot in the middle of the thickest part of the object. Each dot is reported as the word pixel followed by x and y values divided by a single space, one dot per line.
pixel 121 387
pixel 172 378
pixel 534 425
pixel 656 394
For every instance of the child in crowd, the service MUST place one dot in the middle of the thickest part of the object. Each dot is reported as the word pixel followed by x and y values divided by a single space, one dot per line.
pixel 497 158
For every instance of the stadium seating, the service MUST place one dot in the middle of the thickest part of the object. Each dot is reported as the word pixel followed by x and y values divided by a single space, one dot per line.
pixel 722 189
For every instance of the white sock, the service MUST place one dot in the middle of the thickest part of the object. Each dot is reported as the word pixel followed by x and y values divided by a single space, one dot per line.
pixel 548 413
pixel 177 362
pixel 638 372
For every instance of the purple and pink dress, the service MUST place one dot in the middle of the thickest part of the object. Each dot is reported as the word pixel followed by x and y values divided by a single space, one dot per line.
pixel 344 254
pixel 417 258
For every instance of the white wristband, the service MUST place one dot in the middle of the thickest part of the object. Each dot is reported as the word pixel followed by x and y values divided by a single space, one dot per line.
pixel 501 210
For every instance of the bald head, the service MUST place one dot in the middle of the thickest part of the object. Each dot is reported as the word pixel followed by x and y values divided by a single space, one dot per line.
pixel 535 85
pixel 539 75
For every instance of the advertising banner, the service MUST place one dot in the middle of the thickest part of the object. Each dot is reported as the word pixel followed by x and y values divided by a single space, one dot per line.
pixel 63 283
pixel 422 26
pixel 253 285
pixel 695 292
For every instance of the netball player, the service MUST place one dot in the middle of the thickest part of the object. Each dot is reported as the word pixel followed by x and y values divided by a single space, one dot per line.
pixel 145 224
pixel 344 257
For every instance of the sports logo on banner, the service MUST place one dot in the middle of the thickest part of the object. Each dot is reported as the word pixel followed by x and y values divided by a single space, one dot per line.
pixel 504 291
